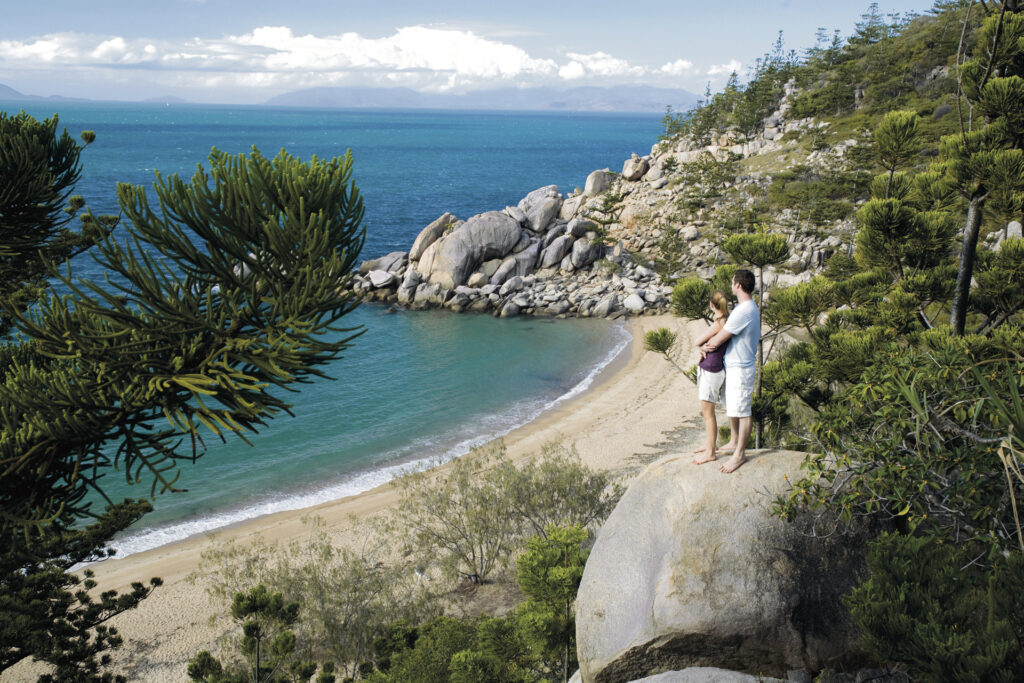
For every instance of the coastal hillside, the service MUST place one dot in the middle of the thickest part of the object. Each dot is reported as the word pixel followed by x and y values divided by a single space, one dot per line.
pixel 875 185
pixel 791 153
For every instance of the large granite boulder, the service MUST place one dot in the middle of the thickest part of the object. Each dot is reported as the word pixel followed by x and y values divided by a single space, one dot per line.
pixel 394 262
pixel 516 213
pixel 429 235
pixel 691 569
pixel 381 278
pixel 635 168
pixel 459 253
pixel 540 194
pixel 584 252
pixel 602 309
pixel 426 260
pixel 553 234
pixel 578 227
pixel 634 303
pixel 555 251
pixel 540 215
pixel 597 182
pixel 407 290
pixel 570 207
pixel 521 263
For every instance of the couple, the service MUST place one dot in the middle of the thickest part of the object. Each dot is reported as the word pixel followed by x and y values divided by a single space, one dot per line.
pixel 728 352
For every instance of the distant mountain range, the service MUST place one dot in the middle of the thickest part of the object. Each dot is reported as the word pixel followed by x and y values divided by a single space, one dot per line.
pixel 630 98
pixel 7 93
pixel 627 98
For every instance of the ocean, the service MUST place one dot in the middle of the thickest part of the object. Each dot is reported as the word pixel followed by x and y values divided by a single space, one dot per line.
pixel 417 386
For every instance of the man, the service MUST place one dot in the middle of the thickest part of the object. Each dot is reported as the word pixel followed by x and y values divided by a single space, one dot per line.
pixel 744 329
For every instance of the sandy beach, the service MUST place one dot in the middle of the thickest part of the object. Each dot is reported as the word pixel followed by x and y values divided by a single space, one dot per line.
pixel 639 408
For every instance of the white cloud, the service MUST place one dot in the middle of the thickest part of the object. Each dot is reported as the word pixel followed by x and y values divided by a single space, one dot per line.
pixel 55 47
pixel 110 50
pixel 602 65
pixel 275 58
pixel 680 67
pixel 725 69
pixel 572 71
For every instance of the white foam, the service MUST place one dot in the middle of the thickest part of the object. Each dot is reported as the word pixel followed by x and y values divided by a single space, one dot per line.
pixel 488 428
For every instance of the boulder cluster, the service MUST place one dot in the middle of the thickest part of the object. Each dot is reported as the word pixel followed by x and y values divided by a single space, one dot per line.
pixel 543 256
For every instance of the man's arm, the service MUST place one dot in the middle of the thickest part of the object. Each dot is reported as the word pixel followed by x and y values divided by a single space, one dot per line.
pixel 723 336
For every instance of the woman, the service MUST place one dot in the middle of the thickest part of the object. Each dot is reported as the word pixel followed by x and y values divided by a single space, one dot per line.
pixel 711 377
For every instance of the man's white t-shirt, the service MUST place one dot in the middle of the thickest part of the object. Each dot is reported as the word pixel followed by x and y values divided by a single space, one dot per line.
pixel 744 324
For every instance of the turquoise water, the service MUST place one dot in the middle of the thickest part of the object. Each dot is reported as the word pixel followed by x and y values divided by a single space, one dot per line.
pixel 416 385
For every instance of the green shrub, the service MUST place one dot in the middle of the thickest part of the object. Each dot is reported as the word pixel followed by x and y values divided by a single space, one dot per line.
pixel 470 517
pixel 937 610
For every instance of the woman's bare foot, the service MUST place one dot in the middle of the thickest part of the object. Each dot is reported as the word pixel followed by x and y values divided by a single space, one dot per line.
pixel 732 464
pixel 700 450
pixel 701 459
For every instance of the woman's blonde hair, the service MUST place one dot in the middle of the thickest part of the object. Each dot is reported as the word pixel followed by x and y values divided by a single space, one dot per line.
pixel 721 303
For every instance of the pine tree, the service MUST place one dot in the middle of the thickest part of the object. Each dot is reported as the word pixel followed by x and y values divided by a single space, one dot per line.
pixel 38 172
pixel 234 289
pixel 550 572
pixel 267 646
pixel 227 293
pixel 977 162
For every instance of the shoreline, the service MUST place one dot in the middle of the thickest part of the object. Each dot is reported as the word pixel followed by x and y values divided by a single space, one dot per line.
pixel 634 409
pixel 521 442
pixel 363 480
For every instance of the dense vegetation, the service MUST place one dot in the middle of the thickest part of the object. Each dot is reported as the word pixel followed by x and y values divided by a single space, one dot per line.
pixel 899 366
pixel 386 614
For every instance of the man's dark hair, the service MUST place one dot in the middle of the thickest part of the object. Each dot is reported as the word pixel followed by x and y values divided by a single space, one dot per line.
pixel 745 279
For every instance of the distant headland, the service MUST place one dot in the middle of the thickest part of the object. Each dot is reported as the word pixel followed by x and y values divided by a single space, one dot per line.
pixel 627 98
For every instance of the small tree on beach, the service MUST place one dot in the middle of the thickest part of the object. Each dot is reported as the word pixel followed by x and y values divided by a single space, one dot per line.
pixel 470 517
pixel 455 517
pixel 267 647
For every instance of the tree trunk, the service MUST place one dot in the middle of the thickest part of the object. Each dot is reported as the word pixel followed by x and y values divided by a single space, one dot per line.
pixel 759 422
pixel 961 297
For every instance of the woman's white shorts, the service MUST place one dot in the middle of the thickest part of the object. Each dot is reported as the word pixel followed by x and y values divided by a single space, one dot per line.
pixel 709 385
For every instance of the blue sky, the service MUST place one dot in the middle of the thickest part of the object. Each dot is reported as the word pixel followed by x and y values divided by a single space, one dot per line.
pixel 245 52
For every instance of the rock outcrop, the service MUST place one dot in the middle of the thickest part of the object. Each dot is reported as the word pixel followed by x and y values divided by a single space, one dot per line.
pixel 582 268
pixel 692 570
pixel 557 258
pixel 458 254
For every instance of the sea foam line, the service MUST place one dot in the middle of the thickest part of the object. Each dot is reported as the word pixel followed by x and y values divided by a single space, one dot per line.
pixel 358 482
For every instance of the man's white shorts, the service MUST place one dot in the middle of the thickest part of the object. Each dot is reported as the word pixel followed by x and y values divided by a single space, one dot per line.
pixel 739 388
pixel 709 385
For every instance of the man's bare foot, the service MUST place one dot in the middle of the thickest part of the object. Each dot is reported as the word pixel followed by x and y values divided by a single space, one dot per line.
pixel 731 446
pixel 732 464
pixel 701 459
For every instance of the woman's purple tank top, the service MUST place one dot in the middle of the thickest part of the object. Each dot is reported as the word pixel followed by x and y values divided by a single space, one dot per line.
pixel 715 361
